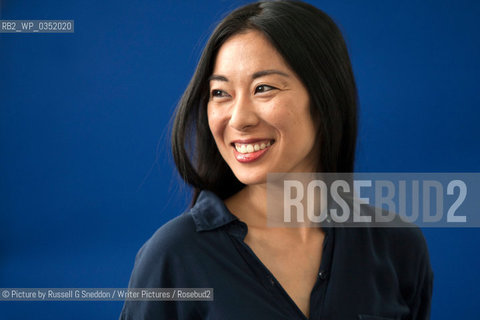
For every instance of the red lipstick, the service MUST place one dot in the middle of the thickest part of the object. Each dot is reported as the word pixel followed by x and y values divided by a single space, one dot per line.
pixel 250 156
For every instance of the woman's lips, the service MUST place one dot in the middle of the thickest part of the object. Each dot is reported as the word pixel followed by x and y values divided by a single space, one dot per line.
pixel 251 151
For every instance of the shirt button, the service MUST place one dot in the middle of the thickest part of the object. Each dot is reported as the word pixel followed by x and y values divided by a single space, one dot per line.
pixel 322 275
pixel 272 282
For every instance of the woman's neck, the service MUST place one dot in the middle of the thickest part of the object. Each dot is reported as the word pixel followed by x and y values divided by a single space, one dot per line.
pixel 250 205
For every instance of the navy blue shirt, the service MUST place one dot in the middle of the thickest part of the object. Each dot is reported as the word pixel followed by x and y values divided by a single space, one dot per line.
pixel 365 273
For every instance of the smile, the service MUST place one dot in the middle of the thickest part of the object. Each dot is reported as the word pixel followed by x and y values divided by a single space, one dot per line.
pixel 252 147
pixel 252 151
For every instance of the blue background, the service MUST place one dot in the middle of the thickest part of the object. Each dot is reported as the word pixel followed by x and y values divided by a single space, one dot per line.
pixel 85 169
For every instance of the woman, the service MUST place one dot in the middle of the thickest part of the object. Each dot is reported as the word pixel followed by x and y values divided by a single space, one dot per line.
pixel 273 92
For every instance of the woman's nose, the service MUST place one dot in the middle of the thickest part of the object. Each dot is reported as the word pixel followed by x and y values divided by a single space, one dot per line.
pixel 243 114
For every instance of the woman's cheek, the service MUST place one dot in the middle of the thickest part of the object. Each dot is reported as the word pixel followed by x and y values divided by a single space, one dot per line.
pixel 215 122
pixel 279 117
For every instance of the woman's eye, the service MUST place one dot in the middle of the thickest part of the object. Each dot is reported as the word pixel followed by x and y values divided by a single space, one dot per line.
pixel 219 93
pixel 263 88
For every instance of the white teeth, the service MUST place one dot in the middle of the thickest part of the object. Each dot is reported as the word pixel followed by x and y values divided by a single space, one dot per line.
pixel 249 148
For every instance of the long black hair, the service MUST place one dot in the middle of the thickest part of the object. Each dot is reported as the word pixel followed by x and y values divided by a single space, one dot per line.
pixel 314 48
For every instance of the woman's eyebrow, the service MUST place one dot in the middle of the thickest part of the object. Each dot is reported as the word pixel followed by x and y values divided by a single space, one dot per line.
pixel 268 72
pixel 257 74
pixel 217 77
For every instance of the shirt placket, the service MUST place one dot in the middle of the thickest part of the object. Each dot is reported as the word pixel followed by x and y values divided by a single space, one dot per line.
pixel 319 291
pixel 272 285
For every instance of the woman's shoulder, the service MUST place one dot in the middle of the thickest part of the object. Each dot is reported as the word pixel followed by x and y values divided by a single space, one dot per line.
pixel 401 247
pixel 404 239
pixel 168 258
pixel 400 241
pixel 390 232
pixel 402 233
pixel 397 243
pixel 163 261
pixel 171 238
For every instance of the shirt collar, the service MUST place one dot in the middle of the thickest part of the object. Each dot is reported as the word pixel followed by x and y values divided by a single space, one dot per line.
pixel 209 212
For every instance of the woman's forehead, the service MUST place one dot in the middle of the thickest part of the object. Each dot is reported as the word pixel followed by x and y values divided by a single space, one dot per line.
pixel 248 53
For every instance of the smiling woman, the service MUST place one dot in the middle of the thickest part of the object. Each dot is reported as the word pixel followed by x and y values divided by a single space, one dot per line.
pixel 257 101
pixel 273 92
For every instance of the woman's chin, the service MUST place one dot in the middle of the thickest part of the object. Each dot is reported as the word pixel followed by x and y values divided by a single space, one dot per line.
pixel 252 179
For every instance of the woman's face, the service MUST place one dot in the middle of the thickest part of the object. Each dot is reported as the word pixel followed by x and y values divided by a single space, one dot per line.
pixel 259 111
